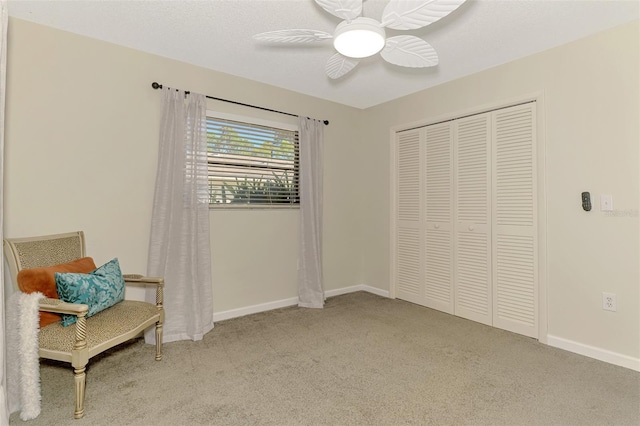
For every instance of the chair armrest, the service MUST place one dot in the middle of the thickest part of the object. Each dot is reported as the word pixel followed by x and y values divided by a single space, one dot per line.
pixel 79 353
pixel 141 279
pixel 137 278
pixel 60 307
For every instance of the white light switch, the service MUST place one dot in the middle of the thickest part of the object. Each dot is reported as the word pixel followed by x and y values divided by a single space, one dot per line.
pixel 606 203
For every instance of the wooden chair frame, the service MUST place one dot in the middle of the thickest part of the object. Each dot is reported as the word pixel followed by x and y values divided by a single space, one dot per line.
pixel 89 337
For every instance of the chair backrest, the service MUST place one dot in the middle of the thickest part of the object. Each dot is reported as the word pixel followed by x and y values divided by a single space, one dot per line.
pixel 46 250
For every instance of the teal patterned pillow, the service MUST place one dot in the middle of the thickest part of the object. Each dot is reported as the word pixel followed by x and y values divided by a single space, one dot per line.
pixel 99 289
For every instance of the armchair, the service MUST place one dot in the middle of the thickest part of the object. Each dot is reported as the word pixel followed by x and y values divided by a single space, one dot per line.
pixel 88 337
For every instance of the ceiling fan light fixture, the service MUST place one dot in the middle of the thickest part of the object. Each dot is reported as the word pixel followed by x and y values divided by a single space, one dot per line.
pixel 359 38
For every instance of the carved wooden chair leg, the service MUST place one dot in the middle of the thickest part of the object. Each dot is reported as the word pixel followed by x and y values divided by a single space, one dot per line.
pixel 158 341
pixel 80 379
pixel 159 305
pixel 80 358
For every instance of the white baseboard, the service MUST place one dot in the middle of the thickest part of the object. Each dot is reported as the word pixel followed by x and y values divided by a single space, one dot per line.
pixel 240 312
pixel 353 289
pixel 593 352
pixel 292 301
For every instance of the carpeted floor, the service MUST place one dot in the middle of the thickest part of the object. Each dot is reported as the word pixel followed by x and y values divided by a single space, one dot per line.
pixel 363 360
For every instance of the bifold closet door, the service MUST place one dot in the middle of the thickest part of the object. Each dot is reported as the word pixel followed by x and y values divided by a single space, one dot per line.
pixel 438 226
pixel 466 230
pixel 514 228
pixel 473 298
pixel 409 274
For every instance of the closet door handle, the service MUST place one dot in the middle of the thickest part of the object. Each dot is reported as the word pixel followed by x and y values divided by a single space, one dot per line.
pixel 437 226
pixel 471 228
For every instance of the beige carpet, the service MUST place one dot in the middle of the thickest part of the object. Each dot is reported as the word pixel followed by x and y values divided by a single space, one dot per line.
pixel 363 360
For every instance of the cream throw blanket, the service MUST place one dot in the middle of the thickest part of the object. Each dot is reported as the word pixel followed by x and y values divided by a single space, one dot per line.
pixel 23 364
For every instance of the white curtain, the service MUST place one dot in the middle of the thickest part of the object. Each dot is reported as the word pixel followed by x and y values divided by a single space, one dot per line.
pixel 4 17
pixel 179 248
pixel 310 285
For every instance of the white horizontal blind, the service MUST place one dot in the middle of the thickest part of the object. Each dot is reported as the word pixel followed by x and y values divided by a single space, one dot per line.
pixel 252 165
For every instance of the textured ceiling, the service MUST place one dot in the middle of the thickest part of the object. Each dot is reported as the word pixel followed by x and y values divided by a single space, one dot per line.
pixel 217 34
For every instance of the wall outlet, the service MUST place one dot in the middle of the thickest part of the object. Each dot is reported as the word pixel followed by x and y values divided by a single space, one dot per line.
pixel 609 302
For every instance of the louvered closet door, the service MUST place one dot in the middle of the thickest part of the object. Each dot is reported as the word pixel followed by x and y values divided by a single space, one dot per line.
pixel 438 229
pixel 472 219
pixel 408 256
pixel 515 280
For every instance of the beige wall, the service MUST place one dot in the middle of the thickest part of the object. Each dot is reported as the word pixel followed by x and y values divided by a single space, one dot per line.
pixel 591 113
pixel 81 147
pixel 81 153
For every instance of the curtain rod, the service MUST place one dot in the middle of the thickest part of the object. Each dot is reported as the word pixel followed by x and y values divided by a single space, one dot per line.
pixel 157 85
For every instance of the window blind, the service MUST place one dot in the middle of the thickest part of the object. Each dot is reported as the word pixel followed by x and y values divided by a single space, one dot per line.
pixel 252 165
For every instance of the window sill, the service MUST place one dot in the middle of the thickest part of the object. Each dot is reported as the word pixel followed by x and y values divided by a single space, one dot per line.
pixel 254 207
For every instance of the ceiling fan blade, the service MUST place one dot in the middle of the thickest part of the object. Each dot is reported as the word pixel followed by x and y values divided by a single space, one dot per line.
pixel 339 65
pixel 293 36
pixel 412 14
pixel 343 9
pixel 409 51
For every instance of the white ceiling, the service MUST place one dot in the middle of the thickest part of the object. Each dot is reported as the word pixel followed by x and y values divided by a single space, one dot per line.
pixel 217 34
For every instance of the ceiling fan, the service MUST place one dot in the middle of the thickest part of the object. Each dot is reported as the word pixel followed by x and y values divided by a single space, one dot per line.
pixel 359 37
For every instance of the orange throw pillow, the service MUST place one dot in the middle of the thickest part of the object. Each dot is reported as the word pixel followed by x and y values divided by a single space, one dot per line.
pixel 43 280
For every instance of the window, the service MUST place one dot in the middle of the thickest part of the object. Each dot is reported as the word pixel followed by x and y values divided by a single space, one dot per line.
pixel 252 165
